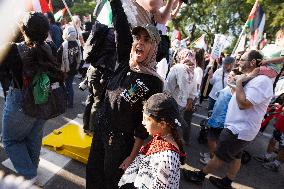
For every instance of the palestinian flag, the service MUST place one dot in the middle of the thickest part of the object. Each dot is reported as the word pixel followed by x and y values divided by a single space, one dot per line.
pixel 50 6
pixel 104 13
pixel 255 23
pixel 38 6
pixel 59 15
pixel 200 43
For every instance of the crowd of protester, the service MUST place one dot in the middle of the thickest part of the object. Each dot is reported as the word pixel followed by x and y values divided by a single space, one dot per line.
pixel 139 88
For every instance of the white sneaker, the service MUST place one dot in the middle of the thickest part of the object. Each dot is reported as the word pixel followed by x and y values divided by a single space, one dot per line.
pixel 204 154
pixel 271 166
pixel 205 160
pixel 80 116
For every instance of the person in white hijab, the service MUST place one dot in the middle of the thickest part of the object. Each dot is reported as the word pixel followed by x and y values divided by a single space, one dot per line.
pixel 181 84
pixel 69 55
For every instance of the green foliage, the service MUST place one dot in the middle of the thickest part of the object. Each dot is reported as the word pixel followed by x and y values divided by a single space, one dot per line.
pixel 226 17
pixel 58 4
pixel 83 7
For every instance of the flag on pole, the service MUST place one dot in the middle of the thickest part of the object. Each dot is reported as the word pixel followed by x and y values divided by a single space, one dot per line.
pixel 38 6
pixel 200 43
pixel 59 14
pixel 50 6
pixel 105 15
pixel 241 46
pixel 256 22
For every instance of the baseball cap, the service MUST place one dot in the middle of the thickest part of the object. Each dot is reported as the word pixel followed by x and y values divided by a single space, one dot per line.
pixel 229 60
pixel 163 107
pixel 151 30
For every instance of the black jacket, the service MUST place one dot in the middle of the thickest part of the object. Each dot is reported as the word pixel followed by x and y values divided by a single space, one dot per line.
pixel 123 104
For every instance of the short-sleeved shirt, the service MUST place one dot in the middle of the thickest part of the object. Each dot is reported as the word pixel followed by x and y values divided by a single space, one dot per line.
pixel 246 123
pixel 218 82
pixel 219 113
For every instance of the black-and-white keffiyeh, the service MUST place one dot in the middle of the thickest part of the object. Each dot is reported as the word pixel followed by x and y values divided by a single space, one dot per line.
pixel 157 170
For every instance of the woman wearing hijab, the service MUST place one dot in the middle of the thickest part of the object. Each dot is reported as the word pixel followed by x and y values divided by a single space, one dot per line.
pixel 119 133
pixel 69 55
pixel 181 84
pixel 138 13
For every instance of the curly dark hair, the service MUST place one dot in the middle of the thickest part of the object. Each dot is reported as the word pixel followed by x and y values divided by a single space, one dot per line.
pixel 255 55
pixel 35 26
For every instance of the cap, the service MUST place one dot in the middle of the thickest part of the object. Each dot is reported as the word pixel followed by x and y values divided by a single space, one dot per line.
pixel 162 106
pixel 229 60
pixel 151 30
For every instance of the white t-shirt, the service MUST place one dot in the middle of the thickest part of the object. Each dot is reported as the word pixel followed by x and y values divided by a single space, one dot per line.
pixel 178 86
pixel 162 68
pixel 217 82
pixel 246 123
pixel 198 72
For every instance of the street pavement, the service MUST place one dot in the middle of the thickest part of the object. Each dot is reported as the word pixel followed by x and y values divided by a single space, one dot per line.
pixel 251 175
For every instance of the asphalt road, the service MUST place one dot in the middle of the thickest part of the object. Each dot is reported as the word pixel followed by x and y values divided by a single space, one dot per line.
pixel 251 175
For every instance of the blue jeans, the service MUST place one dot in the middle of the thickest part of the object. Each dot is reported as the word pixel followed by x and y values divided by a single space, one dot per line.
pixel 70 91
pixel 22 135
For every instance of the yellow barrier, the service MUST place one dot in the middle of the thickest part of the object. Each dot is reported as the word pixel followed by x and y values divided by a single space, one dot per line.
pixel 71 141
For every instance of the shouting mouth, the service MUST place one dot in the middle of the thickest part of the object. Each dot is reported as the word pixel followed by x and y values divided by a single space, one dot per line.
pixel 139 51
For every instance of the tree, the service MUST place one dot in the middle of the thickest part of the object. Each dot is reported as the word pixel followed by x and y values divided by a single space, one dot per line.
pixel 58 4
pixel 209 17
pixel 83 7
pixel 226 17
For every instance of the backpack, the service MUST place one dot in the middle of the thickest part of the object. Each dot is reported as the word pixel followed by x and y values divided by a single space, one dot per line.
pixel 41 85
pixel 41 98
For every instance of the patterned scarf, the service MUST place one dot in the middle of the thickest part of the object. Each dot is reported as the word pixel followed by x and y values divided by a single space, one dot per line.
pixel 158 144
pixel 148 65
pixel 187 57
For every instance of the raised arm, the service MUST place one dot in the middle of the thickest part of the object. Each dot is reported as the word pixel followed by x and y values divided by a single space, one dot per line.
pixel 123 32
pixel 273 61
pixel 163 14
pixel 176 9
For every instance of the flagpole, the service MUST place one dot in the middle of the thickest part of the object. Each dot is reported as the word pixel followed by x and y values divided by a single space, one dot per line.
pixel 68 10
pixel 254 6
pixel 195 41
pixel 243 30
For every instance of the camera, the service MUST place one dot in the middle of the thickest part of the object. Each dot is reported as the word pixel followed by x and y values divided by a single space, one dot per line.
pixel 83 86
